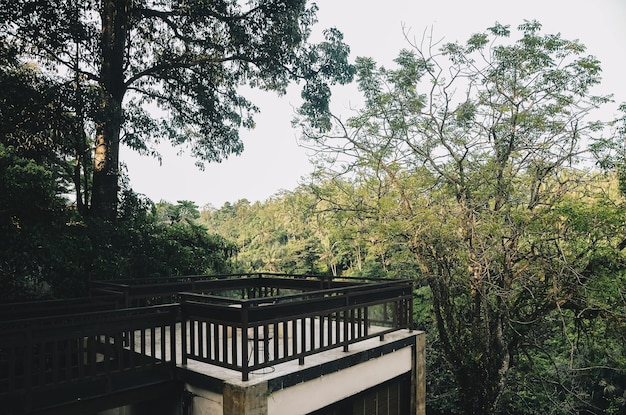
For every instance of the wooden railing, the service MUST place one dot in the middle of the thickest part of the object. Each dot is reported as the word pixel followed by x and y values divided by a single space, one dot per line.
pixel 247 324
pixel 254 334
pixel 142 292
pixel 34 309
pixel 43 353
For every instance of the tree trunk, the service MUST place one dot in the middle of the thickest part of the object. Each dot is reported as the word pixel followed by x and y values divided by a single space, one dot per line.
pixel 106 172
pixel 115 14
pixel 481 385
pixel 475 348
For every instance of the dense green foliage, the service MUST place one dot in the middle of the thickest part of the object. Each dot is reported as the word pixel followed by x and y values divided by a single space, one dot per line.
pixel 123 59
pixel 49 251
pixel 469 168
pixel 47 248
pixel 479 155
pixel 80 79
pixel 570 360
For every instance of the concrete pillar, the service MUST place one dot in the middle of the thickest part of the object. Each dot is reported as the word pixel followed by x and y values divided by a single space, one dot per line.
pixel 245 400
pixel 418 400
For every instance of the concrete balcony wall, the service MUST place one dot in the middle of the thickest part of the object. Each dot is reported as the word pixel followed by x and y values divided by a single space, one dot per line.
pixel 315 394
pixel 326 378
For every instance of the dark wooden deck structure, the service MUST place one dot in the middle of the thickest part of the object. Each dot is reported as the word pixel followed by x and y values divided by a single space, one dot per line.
pixel 134 336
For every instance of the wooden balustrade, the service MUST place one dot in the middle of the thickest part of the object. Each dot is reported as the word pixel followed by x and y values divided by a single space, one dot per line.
pixel 252 334
pixel 248 323
pixel 40 354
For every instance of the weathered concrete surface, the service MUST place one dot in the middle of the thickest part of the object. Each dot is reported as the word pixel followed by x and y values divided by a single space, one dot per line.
pixel 315 394
pixel 261 396
pixel 419 375
pixel 242 400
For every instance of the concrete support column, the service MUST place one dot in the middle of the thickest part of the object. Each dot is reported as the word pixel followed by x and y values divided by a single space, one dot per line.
pixel 418 400
pixel 245 400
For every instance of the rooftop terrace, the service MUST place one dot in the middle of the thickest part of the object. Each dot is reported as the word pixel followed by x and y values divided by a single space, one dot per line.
pixel 225 326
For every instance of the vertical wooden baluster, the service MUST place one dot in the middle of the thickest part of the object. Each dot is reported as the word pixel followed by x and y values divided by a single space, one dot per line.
pixel 275 340
pixel 233 345
pixel 143 341
pixel 192 337
pixel 312 333
pixel 224 343
pixel 201 339
pixel 132 334
pixel 162 333
pixel 153 341
pixel 216 342
pixel 302 338
pixel 285 339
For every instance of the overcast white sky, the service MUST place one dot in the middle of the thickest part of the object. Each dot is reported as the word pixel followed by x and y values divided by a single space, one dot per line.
pixel 272 159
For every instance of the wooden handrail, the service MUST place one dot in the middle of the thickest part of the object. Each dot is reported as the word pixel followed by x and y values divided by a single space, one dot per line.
pixel 219 327
pixel 41 354
pixel 306 315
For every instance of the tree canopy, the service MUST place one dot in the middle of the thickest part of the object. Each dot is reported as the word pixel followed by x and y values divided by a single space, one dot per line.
pixel 480 153
pixel 470 167
pixel 49 250
pixel 126 59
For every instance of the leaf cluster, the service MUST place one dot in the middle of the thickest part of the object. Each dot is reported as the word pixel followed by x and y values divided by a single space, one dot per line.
pixel 186 59
pixel 478 154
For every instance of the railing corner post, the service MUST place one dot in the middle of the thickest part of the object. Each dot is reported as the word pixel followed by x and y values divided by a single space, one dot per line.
pixel 183 330
pixel 245 344
pixel 346 323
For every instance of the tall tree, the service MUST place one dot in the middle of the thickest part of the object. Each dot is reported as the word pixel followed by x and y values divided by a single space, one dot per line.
pixel 35 137
pixel 186 58
pixel 475 148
